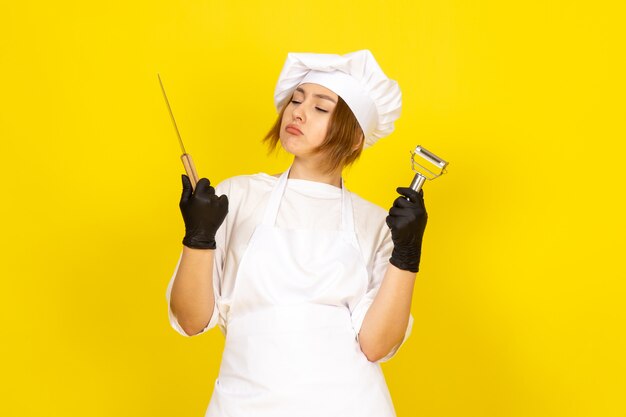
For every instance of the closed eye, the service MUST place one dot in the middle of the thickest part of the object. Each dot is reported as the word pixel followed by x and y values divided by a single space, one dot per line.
pixel 317 108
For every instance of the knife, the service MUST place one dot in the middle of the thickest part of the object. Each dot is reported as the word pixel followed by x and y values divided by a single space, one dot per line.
pixel 190 168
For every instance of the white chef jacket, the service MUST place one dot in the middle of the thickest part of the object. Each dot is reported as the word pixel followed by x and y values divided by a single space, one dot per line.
pixel 305 205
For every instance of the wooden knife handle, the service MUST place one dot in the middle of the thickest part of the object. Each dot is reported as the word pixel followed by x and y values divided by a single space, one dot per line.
pixel 190 169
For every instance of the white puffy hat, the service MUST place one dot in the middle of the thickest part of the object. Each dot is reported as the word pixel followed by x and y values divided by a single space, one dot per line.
pixel 356 77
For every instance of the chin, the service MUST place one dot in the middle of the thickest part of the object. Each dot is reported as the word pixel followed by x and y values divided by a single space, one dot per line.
pixel 287 146
pixel 295 146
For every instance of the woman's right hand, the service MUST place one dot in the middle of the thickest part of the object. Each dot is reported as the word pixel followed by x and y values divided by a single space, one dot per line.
pixel 203 213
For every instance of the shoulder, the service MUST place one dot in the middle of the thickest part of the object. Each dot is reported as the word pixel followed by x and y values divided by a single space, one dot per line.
pixel 246 193
pixel 370 220
pixel 243 184
pixel 365 208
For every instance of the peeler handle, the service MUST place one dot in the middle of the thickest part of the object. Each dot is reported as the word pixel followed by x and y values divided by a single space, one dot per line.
pixel 190 169
pixel 417 182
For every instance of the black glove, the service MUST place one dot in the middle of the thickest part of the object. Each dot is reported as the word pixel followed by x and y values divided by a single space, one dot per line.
pixel 407 221
pixel 203 213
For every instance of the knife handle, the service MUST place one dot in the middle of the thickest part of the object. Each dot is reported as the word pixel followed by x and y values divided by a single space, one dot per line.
pixel 190 169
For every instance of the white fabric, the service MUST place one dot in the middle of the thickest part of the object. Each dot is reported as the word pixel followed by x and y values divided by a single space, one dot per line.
pixel 290 347
pixel 305 205
pixel 358 99
pixel 368 85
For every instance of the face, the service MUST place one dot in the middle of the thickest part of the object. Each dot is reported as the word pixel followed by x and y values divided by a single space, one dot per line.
pixel 306 119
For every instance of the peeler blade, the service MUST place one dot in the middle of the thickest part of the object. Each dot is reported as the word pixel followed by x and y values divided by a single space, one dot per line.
pixel 428 167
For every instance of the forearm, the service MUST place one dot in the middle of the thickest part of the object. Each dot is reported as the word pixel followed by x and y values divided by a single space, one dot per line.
pixel 385 323
pixel 192 299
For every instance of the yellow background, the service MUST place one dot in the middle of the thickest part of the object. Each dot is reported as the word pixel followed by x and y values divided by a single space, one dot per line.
pixel 519 304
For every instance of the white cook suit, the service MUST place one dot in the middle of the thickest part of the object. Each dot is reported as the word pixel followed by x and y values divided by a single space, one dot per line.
pixel 294 298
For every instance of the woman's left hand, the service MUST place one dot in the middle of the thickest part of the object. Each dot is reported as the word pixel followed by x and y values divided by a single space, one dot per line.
pixel 407 221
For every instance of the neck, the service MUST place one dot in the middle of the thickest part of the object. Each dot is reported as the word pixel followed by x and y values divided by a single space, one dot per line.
pixel 307 170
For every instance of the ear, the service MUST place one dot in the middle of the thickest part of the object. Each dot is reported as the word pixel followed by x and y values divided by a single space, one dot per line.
pixel 359 144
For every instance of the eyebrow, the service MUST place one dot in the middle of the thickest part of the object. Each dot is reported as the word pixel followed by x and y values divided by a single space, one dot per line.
pixel 324 96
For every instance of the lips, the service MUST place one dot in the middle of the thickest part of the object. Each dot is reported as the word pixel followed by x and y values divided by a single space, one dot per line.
pixel 293 130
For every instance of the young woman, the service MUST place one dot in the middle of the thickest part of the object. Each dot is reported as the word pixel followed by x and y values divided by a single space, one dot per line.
pixel 310 283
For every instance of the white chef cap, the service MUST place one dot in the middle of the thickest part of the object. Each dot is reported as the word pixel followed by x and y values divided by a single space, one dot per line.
pixel 374 99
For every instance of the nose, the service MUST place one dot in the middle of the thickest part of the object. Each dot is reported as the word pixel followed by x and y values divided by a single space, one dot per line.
pixel 298 113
